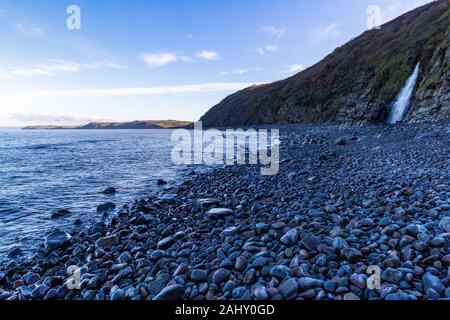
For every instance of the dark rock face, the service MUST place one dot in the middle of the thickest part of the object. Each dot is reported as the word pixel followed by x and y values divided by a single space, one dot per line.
pixel 358 81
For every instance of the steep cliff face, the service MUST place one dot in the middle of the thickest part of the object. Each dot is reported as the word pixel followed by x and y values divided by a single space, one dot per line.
pixel 432 97
pixel 358 81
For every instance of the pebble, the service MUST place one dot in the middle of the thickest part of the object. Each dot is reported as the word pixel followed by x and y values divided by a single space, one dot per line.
pixel 173 292
pixel 107 242
pixel 432 282
pixel 288 288
pixel 280 272
pixel 290 237
pixel 106 207
pixel 198 275
pixel 56 240
pixel 166 243
pixel 110 190
pixel 219 213
pixel 220 275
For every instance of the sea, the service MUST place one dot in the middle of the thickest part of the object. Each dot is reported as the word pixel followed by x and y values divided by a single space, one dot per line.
pixel 43 171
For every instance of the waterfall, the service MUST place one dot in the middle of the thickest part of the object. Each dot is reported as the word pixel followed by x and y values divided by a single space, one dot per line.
pixel 401 103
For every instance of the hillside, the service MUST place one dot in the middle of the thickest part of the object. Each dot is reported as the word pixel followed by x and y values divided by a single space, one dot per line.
pixel 149 124
pixel 358 81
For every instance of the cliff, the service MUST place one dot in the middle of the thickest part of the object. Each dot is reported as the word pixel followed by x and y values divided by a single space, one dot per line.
pixel 358 81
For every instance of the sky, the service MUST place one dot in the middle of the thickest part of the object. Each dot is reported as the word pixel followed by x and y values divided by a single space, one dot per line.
pixel 157 59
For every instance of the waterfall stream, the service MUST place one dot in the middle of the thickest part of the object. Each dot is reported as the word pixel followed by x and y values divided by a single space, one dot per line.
pixel 401 103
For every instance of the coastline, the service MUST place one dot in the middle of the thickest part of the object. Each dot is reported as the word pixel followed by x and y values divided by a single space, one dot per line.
pixel 346 198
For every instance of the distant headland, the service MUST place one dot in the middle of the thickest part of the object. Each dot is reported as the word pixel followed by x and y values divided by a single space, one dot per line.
pixel 147 124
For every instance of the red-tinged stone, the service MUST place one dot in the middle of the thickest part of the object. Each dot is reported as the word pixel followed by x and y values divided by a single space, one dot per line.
pixel 446 259
pixel 17 284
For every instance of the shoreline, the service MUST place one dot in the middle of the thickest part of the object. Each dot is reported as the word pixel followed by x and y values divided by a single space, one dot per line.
pixel 345 198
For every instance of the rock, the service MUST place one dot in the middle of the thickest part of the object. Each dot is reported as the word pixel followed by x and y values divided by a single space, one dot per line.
pixel 358 280
pixel 181 269
pixel 198 275
pixel 339 244
pixel 351 296
pixel 431 294
pixel 261 227
pixel 60 214
pixel 207 202
pixel 308 294
pixel 106 207
pixel 290 237
pixel 39 292
pixel 157 254
pixel 280 272
pixel 446 259
pixel 260 293
pixel 351 254
pixel 31 278
pixel 124 257
pixel 330 286
pixel 168 198
pixel 444 224
pixel 156 286
pixel 220 276
pixel 94 283
pixel 249 276
pixel 173 292
pixel 219 213
pixel 230 231
pixel 14 253
pixel 432 282
pixel 392 275
pixel 51 261
pixel 118 295
pixel 241 263
pixel 51 294
pixel 307 283
pixel 397 296
pixel 258 263
pixel 310 241
pixel 107 242
pixel 288 288
pixel 56 240
pixel 166 243
pixel 109 191
pixel 366 222
pixel 161 182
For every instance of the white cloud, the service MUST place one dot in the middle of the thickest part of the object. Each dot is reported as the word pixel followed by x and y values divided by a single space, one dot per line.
pixel 330 31
pixel 28 29
pixel 295 68
pixel 277 32
pixel 125 92
pixel 239 71
pixel 266 49
pixel 54 67
pixel 159 59
pixel 208 55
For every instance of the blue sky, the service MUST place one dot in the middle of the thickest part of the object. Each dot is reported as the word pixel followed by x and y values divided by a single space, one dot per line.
pixel 149 59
